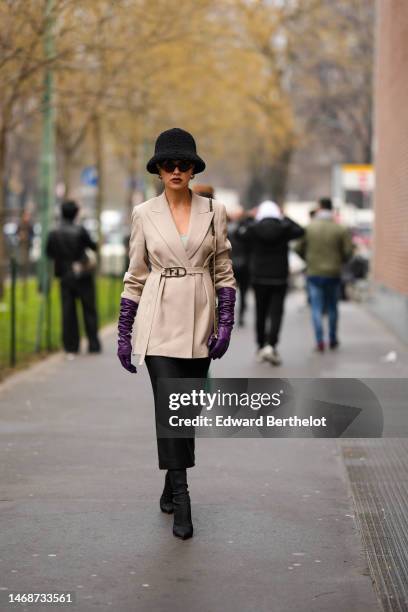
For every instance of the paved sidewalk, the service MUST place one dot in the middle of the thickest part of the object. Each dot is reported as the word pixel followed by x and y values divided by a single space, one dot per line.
pixel 274 519
pixel 365 351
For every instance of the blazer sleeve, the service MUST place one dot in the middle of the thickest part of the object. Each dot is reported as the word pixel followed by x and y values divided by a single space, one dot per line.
pixel 224 275
pixel 87 240
pixel 138 271
pixel 301 246
pixel 294 230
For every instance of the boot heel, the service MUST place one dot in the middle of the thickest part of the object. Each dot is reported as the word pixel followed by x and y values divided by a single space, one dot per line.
pixel 166 499
pixel 166 507
pixel 182 526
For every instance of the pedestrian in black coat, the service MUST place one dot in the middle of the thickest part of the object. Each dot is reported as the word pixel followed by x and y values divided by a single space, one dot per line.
pixel 67 246
pixel 240 255
pixel 268 237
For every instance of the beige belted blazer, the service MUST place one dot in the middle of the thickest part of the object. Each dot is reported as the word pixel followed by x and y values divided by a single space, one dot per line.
pixel 175 314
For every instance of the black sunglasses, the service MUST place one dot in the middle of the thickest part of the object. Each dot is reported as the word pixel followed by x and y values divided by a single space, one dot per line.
pixel 169 165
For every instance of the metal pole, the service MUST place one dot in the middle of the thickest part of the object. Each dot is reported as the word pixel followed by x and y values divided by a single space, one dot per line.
pixel 49 313
pixel 47 174
pixel 13 351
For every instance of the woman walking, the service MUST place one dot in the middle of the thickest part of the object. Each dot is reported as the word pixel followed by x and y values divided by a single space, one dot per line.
pixel 179 259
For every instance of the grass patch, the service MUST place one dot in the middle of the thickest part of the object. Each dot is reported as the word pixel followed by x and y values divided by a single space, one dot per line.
pixel 30 343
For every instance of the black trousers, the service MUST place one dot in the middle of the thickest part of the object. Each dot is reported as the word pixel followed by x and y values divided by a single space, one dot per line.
pixel 175 453
pixel 269 312
pixel 242 277
pixel 84 290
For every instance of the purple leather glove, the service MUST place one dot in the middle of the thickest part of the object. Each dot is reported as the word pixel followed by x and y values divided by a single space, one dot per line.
pixel 128 309
pixel 226 302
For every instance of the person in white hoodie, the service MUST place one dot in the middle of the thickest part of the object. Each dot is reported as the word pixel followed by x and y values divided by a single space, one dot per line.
pixel 269 237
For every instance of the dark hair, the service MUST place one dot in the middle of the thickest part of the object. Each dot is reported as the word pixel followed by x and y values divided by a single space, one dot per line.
pixel 69 209
pixel 207 191
pixel 326 203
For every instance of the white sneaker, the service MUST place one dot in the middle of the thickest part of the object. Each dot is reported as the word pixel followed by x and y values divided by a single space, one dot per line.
pixel 274 358
pixel 264 353
pixel 70 356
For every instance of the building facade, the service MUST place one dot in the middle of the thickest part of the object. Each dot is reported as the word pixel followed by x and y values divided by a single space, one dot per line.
pixel 390 266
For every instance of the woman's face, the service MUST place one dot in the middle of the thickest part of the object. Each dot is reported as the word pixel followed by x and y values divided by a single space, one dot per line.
pixel 175 177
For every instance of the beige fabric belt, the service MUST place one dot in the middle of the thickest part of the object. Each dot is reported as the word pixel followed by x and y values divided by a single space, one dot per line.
pixel 180 271
pixel 160 274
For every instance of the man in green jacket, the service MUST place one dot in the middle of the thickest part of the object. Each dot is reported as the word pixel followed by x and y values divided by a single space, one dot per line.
pixel 325 247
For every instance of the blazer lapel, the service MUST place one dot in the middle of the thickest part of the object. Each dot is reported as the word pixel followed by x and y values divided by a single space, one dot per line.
pixel 162 218
pixel 199 223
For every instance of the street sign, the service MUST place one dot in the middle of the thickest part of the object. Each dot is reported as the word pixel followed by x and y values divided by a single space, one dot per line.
pixel 89 176
pixel 353 185
pixel 358 177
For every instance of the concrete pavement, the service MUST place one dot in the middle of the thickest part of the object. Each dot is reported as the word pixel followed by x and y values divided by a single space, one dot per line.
pixel 274 519
pixel 365 351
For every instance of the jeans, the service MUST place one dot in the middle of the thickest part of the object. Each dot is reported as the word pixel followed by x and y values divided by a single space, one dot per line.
pixel 324 294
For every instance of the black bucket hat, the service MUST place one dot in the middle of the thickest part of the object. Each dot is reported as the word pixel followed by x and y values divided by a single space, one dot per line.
pixel 175 144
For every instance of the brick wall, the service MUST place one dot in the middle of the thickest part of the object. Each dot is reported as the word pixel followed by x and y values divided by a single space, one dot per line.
pixel 391 146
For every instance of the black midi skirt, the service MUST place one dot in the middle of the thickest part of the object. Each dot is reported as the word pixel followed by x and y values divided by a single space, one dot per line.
pixel 175 453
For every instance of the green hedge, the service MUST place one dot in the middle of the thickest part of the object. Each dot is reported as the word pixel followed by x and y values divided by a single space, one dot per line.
pixel 28 308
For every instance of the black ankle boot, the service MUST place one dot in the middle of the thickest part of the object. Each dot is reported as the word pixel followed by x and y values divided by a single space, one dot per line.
pixel 182 527
pixel 166 499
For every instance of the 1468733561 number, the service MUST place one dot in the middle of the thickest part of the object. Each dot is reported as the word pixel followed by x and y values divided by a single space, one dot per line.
pixel 33 598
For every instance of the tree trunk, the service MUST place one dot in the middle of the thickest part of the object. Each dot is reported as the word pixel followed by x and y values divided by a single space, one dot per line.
pixel 368 145
pixel 270 181
pixel 100 190
pixel 67 174
pixel 131 179
pixel 278 176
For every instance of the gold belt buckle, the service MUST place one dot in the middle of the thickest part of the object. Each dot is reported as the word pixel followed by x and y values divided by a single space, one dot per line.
pixel 174 272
